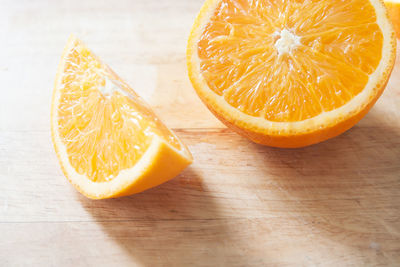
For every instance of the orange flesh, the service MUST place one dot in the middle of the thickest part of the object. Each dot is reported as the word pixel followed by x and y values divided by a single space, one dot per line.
pixel 394 14
pixel 103 133
pixel 290 60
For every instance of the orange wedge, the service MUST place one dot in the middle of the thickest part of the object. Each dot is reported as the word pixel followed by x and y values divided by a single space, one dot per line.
pixel 393 7
pixel 290 73
pixel 108 140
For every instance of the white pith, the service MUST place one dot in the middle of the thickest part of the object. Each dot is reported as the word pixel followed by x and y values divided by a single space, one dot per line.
pixel 286 42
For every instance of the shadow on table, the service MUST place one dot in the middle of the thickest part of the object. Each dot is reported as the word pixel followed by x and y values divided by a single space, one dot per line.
pixel 175 224
pixel 346 188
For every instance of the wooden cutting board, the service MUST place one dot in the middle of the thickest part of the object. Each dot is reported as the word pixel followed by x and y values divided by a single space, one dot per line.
pixel 239 204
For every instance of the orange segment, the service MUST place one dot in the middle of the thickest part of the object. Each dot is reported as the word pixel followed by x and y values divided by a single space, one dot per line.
pixel 101 124
pixel 263 66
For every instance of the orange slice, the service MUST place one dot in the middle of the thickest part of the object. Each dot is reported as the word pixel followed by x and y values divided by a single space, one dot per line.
pixel 393 7
pixel 108 140
pixel 290 73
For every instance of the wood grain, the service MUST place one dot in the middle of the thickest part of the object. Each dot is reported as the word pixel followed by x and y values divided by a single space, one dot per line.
pixel 239 204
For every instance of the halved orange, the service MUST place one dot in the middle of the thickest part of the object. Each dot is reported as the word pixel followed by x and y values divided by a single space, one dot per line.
pixel 108 140
pixel 290 73
pixel 393 7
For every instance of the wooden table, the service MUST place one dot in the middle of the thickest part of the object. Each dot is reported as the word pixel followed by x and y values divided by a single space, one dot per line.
pixel 239 204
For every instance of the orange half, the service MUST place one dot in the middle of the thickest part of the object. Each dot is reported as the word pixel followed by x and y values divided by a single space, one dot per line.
pixel 290 73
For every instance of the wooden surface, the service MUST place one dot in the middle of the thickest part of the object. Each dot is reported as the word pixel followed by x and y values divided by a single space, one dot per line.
pixel 239 204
